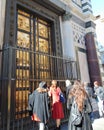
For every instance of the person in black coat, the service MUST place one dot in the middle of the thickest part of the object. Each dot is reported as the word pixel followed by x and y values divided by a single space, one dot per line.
pixel 99 92
pixel 92 98
pixel 79 96
pixel 39 104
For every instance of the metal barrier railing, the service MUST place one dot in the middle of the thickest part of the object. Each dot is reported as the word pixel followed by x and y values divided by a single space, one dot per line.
pixel 22 70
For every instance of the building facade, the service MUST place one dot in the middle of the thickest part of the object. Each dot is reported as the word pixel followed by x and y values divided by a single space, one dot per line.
pixel 99 21
pixel 101 51
pixel 43 40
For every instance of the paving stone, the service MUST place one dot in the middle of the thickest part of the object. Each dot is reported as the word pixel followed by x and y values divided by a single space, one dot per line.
pixel 98 124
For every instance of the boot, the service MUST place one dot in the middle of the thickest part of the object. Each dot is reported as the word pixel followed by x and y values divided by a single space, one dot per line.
pixel 57 128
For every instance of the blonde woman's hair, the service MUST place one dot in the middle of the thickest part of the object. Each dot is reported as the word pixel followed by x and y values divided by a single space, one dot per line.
pixel 79 94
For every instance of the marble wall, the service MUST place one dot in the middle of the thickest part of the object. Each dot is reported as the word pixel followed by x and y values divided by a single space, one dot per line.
pixel 2 22
pixel 68 45
pixel 83 65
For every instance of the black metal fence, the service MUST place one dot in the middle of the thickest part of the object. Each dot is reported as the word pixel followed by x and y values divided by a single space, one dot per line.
pixel 21 71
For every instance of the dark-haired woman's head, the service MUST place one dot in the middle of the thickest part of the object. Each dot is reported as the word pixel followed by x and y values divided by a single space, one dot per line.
pixel 96 83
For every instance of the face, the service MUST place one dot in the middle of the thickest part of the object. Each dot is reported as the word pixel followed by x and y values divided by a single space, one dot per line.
pixel 54 82
pixel 96 83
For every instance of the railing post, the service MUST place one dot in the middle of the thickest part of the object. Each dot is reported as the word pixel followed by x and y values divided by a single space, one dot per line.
pixel 0 80
pixel 9 87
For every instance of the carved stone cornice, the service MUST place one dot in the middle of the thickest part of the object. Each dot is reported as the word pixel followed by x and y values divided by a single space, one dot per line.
pixel 67 16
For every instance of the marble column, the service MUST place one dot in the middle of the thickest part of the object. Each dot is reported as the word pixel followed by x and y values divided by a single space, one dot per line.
pixel 67 37
pixel 2 20
pixel 2 24
pixel 68 46
pixel 93 64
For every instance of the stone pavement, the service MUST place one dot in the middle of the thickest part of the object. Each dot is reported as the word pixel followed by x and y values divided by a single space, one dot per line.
pixel 98 124
pixel 64 126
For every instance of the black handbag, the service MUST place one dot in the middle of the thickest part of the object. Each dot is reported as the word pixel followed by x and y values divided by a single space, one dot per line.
pixel 30 107
pixel 30 112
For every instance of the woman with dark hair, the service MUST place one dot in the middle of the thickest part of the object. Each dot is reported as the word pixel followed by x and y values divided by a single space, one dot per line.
pixel 57 108
pixel 79 96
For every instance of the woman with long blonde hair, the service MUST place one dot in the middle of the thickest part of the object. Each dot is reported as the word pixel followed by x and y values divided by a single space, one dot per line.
pixel 79 96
